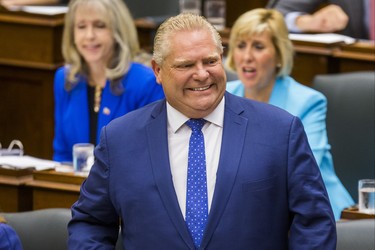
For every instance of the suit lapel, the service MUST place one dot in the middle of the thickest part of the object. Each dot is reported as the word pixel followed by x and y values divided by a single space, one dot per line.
pixel 234 130
pixel 158 145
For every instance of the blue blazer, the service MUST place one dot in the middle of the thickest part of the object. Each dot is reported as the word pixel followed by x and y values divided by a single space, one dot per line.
pixel 268 186
pixel 9 239
pixel 311 107
pixel 71 108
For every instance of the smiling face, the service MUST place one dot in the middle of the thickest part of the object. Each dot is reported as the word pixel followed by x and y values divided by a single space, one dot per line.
pixel 92 35
pixel 255 59
pixel 192 74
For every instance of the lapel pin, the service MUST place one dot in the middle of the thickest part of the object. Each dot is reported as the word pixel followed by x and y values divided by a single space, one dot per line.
pixel 106 111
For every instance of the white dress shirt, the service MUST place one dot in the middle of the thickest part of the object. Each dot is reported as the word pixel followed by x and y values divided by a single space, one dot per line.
pixel 178 146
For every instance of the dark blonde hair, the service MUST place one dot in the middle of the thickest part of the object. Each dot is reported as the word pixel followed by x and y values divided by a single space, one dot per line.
pixel 257 21
pixel 2 219
pixel 119 20
pixel 173 25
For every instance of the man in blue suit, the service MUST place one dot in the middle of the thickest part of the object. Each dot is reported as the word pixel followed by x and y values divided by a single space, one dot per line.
pixel 263 186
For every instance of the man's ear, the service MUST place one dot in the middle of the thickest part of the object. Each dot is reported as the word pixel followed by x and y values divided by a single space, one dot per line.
pixel 157 71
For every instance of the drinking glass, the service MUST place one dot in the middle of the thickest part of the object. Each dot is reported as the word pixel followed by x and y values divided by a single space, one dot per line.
pixel 214 11
pixel 191 6
pixel 83 157
pixel 366 194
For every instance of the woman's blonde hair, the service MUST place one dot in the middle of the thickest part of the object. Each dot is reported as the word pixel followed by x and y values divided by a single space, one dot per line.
pixel 120 21
pixel 2 219
pixel 173 25
pixel 257 21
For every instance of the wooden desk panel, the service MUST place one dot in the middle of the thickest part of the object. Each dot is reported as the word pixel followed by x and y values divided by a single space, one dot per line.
pixel 352 213
pixel 311 59
pixel 30 39
pixel 29 56
pixel 26 107
pixel 14 195
pixel 356 57
pixel 51 189
pixel 236 8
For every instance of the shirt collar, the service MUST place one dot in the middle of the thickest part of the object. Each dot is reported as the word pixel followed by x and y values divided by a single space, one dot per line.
pixel 176 119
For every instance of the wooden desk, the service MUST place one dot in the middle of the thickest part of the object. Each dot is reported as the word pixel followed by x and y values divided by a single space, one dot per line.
pixel 355 57
pixel 352 213
pixel 29 55
pixel 14 195
pixel 318 58
pixel 51 189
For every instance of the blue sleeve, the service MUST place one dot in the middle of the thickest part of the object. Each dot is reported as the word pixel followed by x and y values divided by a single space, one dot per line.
pixel 95 222
pixel 313 223
pixel 9 239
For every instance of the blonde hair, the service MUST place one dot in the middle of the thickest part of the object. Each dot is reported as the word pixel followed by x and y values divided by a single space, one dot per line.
pixel 120 21
pixel 2 219
pixel 173 25
pixel 257 21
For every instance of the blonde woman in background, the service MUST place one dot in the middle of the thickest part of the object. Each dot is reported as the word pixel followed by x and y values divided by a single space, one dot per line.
pixel 261 54
pixel 100 80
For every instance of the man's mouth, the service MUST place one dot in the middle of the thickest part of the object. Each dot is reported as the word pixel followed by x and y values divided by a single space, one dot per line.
pixel 201 88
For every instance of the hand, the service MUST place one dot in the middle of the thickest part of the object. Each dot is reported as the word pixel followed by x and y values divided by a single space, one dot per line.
pixel 328 19
pixel 16 3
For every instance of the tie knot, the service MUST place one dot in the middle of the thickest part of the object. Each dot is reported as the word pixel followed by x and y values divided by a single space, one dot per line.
pixel 196 124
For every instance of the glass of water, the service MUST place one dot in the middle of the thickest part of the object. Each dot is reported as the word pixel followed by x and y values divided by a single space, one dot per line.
pixel 190 6
pixel 214 11
pixel 366 194
pixel 83 157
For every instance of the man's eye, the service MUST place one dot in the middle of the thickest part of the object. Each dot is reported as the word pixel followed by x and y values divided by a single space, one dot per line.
pixel 184 66
pixel 212 61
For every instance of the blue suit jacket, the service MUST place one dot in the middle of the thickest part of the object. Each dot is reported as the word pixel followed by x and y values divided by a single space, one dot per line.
pixel 268 186
pixel 72 123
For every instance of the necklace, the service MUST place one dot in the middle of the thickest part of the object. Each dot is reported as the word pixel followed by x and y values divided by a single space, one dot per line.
pixel 97 98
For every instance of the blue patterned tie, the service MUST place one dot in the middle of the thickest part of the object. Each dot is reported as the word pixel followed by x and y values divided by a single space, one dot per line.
pixel 196 194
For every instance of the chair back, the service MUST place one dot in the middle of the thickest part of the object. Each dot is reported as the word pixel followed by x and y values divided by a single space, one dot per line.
pixel 350 124
pixel 356 234
pixel 41 229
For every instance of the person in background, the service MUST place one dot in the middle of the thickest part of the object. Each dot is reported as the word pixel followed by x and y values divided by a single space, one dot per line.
pixel 156 10
pixel 259 185
pixel 347 17
pixel 9 4
pixel 9 239
pixel 261 54
pixel 100 80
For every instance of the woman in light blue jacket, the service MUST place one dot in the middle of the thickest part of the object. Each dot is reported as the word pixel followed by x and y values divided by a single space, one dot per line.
pixel 261 54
